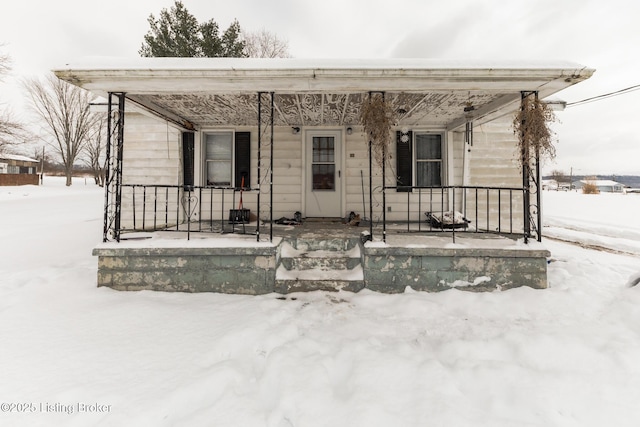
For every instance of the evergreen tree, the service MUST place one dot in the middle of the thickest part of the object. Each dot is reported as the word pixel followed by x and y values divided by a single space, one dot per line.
pixel 177 33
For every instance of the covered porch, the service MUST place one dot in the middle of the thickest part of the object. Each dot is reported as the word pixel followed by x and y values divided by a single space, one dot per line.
pixel 297 151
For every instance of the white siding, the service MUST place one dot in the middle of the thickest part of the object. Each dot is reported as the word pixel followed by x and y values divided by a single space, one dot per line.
pixel 153 154
pixel 493 162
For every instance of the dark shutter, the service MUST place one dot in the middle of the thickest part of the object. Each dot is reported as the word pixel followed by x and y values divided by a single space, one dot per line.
pixel 187 159
pixel 404 162
pixel 243 159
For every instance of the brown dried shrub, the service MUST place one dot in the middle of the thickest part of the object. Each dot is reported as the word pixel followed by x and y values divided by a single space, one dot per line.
pixel 377 118
pixel 532 126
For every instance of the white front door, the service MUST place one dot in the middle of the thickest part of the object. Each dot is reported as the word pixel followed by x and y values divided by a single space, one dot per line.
pixel 323 174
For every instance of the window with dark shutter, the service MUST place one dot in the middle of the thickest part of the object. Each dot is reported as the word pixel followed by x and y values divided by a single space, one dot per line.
pixel 243 160
pixel 428 159
pixel 187 158
pixel 404 160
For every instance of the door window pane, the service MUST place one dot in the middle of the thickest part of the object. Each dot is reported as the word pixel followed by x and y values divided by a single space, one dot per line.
pixel 324 176
pixel 323 167
pixel 323 149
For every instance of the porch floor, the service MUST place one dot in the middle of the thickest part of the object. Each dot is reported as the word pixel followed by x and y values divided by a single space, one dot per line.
pixel 397 235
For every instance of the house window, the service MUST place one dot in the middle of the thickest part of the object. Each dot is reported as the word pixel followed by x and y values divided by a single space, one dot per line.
pixel 419 160
pixel 218 157
pixel 227 159
pixel 428 159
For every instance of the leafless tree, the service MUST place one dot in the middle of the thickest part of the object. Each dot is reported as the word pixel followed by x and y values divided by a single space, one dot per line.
pixel 264 44
pixel 65 111
pixel 11 132
pixel 559 176
pixel 94 154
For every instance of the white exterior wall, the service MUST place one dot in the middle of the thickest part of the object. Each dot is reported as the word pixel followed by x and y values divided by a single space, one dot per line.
pixel 153 156
pixel 153 152
pixel 493 162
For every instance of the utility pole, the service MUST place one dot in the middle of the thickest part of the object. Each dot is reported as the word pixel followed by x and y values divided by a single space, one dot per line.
pixel 42 167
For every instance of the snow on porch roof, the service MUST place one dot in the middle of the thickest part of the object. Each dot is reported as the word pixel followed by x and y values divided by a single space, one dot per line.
pixel 223 91
pixel 179 75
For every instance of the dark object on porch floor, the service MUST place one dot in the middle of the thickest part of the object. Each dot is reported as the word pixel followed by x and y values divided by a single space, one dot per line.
pixel 352 219
pixel 239 216
pixel 447 220
pixel 297 220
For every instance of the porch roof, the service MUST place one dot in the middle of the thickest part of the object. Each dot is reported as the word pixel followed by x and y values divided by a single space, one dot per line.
pixel 201 92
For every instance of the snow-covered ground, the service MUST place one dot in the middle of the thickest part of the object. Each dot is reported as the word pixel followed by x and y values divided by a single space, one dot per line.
pixel 72 354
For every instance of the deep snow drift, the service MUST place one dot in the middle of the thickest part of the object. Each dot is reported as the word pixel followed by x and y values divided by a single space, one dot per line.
pixel 75 355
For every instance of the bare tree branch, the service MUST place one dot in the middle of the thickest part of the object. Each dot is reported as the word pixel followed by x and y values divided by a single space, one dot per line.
pixel 5 63
pixel 264 44
pixel 94 157
pixel 65 111
pixel 11 132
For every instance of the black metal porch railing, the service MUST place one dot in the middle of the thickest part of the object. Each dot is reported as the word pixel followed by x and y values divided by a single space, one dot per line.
pixel 482 209
pixel 497 210
pixel 187 209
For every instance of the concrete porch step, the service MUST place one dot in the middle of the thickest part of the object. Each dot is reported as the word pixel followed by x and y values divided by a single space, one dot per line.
pixel 321 242
pixel 315 263
pixel 313 280
pixel 303 259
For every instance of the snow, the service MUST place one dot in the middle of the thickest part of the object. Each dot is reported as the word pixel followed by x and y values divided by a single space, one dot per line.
pixel 77 355
pixel 17 157
pixel 146 64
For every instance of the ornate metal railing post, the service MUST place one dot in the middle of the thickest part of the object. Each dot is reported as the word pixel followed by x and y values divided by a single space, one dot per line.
pixel 531 181
pixel 113 168
pixel 524 161
pixel 270 120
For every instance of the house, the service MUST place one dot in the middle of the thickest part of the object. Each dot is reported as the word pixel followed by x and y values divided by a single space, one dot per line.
pixel 18 170
pixel 549 184
pixel 232 175
pixel 603 185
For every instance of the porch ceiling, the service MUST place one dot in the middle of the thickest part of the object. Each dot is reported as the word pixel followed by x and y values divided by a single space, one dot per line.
pixel 202 92
pixel 317 109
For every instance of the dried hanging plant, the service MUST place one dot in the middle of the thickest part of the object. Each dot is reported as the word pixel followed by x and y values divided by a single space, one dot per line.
pixel 532 125
pixel 377 118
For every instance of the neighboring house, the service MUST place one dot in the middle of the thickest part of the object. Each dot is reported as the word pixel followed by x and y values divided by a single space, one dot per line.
pixel 603 185
pixel 549 184
pixel 18 170
pixel 195 143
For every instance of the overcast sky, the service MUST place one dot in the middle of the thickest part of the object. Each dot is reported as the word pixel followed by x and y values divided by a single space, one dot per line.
pixel 600 137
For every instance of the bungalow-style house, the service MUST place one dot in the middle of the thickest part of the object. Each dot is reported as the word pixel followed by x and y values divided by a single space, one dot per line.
pixel 256 176
pixel 603 185
pixel 18 170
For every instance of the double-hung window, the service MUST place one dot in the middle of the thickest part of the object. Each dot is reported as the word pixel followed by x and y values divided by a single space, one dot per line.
pixel 419 157
pixel 428 159
pixel 226 159
pixel 218 150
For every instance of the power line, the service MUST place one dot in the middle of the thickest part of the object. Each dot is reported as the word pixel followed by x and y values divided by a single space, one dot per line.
pixel 604 96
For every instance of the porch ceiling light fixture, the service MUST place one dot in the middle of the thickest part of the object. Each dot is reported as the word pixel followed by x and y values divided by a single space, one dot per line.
pixel 295 130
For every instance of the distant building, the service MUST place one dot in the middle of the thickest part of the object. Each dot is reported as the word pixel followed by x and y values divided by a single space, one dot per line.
pixel 603 185
pixel 549 184
pixel 18 170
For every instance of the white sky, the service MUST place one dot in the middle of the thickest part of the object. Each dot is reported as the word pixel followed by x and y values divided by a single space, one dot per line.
pixel 599 137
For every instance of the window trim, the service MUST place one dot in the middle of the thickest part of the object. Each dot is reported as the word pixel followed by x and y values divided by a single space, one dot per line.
pixel 406 161
pixel 443 155
pixel 205 161
pixel 241 157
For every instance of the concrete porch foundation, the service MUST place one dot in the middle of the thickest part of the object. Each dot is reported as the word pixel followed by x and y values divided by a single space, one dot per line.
pixel 318 257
